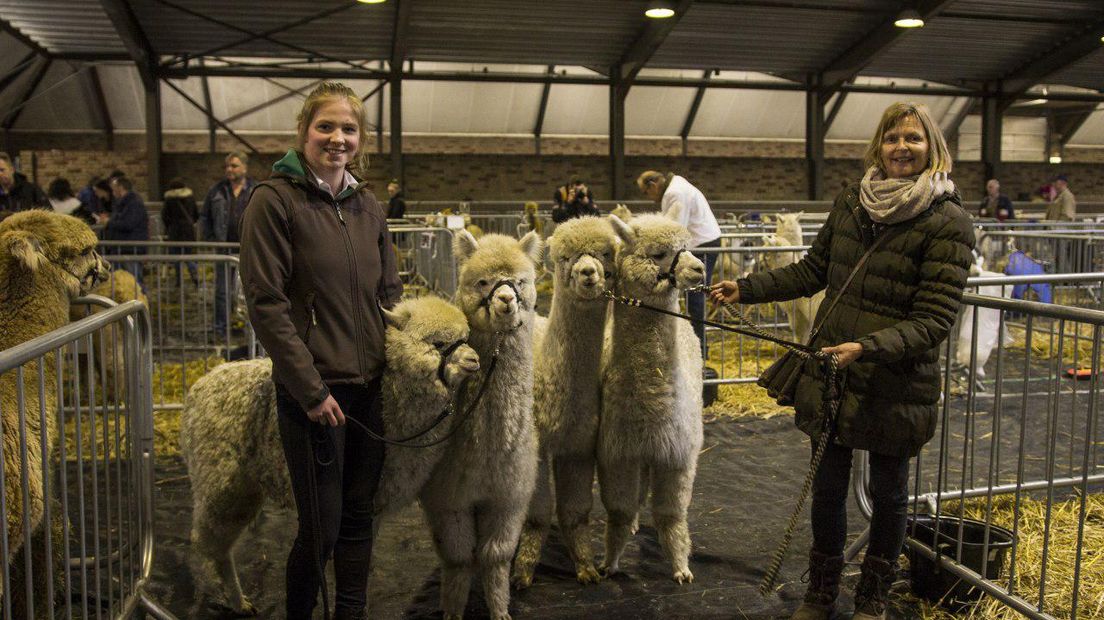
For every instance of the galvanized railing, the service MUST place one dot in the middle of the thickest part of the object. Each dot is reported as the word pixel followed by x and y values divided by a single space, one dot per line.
pixel 90 553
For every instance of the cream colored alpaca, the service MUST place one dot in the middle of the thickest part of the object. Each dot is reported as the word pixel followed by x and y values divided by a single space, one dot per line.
pixel 477 496
pixel 230 441
pixel 651 428
pixel 567 391
pixel 46 260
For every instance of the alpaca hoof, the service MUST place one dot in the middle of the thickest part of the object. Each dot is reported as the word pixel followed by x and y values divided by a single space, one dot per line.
pixel 505 616
pixel 588 574
pixel 684 576
pixel 247 608
pixel 605 572
pixel 521 580
pixel 635 527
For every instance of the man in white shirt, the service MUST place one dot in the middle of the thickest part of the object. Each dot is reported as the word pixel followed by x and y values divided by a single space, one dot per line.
pixel 684 203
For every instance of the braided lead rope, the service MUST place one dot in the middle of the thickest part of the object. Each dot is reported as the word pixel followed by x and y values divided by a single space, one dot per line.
pixel 766 586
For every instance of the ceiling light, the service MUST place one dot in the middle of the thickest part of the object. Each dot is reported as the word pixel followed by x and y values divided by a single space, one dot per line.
pixel 1055 159
pixel 658 9
pixel 371 1
pixel 909 18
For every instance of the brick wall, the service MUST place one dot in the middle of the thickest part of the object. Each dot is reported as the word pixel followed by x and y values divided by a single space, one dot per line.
pixel 507 168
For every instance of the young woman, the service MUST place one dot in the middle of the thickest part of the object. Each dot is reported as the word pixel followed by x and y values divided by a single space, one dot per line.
pixel 885 332
pixel 316 265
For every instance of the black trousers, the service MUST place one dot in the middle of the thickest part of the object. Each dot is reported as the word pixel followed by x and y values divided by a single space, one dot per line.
pixel 888 490
pixel 345 466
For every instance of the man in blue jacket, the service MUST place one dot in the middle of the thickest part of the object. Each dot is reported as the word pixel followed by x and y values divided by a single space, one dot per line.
pixel 127 221
pixel 222 213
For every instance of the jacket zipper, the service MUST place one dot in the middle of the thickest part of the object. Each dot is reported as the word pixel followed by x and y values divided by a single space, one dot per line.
pixel 312 319
pixel 354 288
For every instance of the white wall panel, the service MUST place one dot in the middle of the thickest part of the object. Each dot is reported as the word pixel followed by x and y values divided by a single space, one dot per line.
pixel 657 111
pixel 577 110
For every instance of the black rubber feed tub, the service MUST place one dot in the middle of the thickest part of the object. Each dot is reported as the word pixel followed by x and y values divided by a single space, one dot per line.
pixel 930 581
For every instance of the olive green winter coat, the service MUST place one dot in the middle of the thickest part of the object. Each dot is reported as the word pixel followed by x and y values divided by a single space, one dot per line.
pixel 900 307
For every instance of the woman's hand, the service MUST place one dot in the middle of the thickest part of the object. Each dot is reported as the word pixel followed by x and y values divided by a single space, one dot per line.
pixel 327 412
pixel 845 353
pixel 725 291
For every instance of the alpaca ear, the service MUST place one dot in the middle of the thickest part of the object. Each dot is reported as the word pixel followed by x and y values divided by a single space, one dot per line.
pixel 766 219
pixel 799 215
pixel 533 247
pixel 25 248
pixel 464 245
pixel 623 230
pixel 395 319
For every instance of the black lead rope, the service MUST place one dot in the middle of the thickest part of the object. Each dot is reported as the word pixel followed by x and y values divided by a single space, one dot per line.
pixel 831 398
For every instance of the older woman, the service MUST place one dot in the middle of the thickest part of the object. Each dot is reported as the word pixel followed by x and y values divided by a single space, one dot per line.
pixel 885 332
pixel 316 264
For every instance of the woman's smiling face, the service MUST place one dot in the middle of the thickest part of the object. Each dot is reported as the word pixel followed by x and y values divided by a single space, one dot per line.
pixel 905 149
pixel 332 138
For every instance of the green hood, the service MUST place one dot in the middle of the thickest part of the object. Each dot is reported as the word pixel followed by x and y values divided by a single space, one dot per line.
pixel 292 165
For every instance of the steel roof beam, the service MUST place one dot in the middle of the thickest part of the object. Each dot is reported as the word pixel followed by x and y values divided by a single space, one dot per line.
pixel 7 27
pixel 538 127
pixel 692 113
pixel 267 33
pixel 1078 46
pixel 12 75
pixel 848 64
pixel 646 44
pixel 400 34
pixel 134 40
pixel 199 106
pixel 833 112
pixel 950 132
pixel 255 35
pixel 17 110
pixel 1067 124
pixel 98 104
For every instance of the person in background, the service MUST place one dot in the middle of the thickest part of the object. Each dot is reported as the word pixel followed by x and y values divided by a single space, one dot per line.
pixel 1063 207
pixel 572 200
pixel 178 216
pixel 16 192
pixel 60 194
pixel 995 204
pixel 101 189
pixel 684 203
pixel 885 333
pixel 128 220
pixel 314 302
pixel 396 206
pixel 222 212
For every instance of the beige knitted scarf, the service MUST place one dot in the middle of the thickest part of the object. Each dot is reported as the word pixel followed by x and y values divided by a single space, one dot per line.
pixel 891 201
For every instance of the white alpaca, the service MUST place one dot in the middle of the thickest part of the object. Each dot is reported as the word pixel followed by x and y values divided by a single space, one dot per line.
pixel 801 311
pixel 567 355
pixel 476 498
pixel 651 424
pixel 230 441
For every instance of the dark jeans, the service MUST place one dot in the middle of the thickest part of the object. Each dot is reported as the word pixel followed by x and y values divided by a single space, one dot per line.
pixel 224 297
pixel 346 468
pixel 695 302
pixel 888 489
pixel 190 264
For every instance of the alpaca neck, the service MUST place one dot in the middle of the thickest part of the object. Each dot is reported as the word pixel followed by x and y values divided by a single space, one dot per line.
pixel 32 306
pixel 575 331
pixel 639 327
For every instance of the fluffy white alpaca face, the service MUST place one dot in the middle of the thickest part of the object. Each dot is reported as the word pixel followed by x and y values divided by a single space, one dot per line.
pixel 788 228
pixel 582 251
pixel 774 260
pixel 654 248
pixel 497 274
pixel 428 339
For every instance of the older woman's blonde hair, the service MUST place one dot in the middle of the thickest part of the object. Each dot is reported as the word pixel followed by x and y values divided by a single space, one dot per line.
pixel 651 176
pixel 320 96
pixel 939 156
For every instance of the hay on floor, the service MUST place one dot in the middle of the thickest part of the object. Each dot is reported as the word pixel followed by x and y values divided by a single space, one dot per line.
pixel 742 357
pixel 1062 557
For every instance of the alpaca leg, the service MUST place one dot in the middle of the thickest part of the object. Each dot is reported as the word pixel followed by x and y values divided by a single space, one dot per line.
pixel 619 482
pixel 214 535
pixel 535 529
pixel 671 490
pixel 498 528
pixel 642 500
pixel 574 497
pixel 454 538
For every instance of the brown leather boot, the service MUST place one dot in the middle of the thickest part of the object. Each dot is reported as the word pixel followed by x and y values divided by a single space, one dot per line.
pixel 872 593
pixel 824 580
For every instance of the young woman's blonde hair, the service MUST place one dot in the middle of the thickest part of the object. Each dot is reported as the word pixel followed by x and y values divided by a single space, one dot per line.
pixel 320 96
pixel 939 156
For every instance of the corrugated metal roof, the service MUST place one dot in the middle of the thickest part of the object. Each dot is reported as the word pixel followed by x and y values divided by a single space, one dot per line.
pixel 63 25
